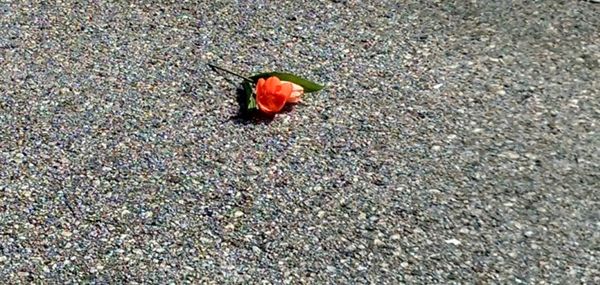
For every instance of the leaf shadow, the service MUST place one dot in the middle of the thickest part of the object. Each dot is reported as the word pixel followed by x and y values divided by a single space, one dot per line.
pixel 245 116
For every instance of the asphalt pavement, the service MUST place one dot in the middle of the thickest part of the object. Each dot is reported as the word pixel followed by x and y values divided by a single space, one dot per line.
pixel 455 142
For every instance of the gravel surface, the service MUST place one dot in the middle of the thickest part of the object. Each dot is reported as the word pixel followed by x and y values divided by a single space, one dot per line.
pixel 456 142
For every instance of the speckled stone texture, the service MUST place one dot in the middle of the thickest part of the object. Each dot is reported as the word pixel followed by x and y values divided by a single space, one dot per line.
pixel 456 142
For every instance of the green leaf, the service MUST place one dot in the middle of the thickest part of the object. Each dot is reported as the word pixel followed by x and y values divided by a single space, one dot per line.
pixel 308 85
pixel 251 102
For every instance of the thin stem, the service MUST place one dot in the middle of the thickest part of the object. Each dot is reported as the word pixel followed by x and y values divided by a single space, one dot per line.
pixel 229 71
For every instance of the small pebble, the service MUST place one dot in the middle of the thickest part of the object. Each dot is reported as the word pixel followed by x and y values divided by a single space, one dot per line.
pixel 453 241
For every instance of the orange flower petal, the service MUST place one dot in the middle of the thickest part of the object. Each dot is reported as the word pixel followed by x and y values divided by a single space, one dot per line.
pixel 270 103
pixel 272 83
pixel 285 89
pixel 260 85
pixel 297 92
pixel 294 99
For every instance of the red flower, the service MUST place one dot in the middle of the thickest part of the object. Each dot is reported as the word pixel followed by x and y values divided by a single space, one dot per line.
pixel 272 94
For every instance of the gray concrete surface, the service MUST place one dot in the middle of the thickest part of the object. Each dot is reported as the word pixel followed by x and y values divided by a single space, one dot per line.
pixel 457 142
